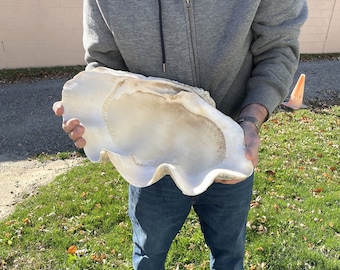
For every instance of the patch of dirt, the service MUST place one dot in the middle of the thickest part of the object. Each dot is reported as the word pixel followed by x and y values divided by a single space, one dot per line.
pixel 324 99
pixel 20 179
pixel 318 57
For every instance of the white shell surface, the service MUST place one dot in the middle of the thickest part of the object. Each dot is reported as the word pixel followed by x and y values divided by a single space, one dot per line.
pixel 150 127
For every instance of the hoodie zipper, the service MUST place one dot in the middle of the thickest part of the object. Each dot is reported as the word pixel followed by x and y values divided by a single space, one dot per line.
pixel 191 41
pixel 161 35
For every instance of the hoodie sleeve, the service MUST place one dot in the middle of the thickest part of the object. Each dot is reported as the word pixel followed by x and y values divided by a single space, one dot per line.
pixel 98 40
pixel 275 51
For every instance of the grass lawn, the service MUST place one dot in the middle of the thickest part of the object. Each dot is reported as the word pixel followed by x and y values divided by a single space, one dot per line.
pixel 80 220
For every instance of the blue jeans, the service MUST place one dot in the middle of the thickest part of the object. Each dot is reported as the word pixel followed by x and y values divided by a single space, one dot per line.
pixel 158 213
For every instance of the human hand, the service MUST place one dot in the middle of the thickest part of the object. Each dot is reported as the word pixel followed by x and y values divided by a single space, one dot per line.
pixel 251 129
pixel 72 127
pixel 252 142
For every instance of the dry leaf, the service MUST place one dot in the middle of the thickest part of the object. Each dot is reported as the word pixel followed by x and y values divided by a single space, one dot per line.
pixel 254 204
pixel 270 172
pixel 306 119
pixel 98 258
pixel 72 250
pixel 189 266
pixel 26 221
pixel 271 179
pixel 317 190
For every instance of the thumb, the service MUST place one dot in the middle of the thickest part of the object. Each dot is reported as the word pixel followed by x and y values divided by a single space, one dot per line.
pixel 58 108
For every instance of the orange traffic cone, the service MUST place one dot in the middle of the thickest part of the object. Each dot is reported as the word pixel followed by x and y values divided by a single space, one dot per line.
pixel 296 98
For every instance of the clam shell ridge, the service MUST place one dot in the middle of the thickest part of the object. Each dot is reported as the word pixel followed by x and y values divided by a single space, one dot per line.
pixel 151 127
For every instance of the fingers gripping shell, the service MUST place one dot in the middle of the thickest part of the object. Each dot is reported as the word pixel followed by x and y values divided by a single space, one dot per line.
pixel 150 127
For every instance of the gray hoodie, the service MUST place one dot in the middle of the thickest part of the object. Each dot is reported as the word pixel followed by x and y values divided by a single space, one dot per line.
pixel 242 52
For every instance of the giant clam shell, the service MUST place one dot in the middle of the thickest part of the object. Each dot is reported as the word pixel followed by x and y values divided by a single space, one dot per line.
pixel 150 127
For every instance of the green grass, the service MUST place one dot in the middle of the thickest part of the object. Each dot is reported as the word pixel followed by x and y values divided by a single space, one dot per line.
pixel 294 220
pixel 42 157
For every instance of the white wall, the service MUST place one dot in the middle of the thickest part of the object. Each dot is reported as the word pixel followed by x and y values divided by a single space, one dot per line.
pixel 321 32
pixel 39 33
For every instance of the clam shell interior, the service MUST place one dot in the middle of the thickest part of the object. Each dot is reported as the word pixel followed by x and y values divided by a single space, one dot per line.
pixel 151 127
